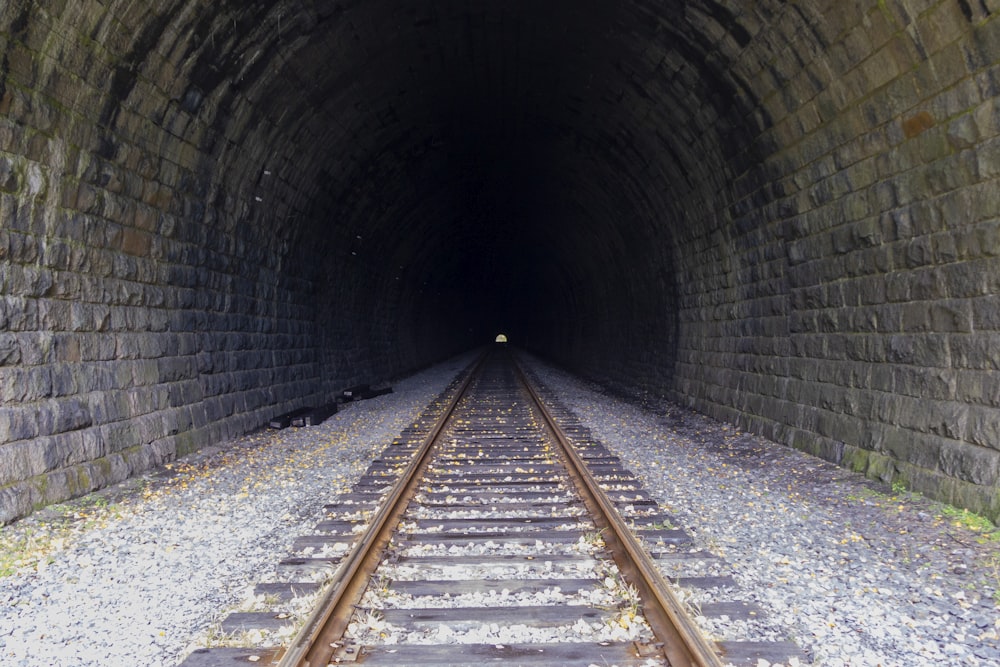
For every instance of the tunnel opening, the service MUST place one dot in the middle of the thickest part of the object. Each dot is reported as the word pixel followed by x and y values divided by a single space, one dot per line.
pixel 776 214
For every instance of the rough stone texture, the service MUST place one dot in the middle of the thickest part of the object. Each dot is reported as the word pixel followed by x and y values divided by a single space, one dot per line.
pixel 781 214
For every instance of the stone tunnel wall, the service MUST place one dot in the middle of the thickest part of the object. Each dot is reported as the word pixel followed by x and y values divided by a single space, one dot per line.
pixel 837 248
pixel 845 299
pixel 149 302
pixel 815 255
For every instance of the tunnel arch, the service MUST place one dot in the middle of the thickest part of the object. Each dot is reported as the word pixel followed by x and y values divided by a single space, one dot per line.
pixel 780 214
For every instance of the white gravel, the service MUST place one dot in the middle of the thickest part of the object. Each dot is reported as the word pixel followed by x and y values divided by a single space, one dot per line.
pixel 134 574
pixel 857 574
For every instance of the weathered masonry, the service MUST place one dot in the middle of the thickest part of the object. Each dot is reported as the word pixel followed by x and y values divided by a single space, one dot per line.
pixel 785 214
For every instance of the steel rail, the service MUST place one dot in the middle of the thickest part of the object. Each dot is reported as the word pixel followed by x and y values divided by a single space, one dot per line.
pixel 683 643
pixel 314 645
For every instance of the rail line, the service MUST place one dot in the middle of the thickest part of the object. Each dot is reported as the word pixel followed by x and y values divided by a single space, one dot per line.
pixel 498 537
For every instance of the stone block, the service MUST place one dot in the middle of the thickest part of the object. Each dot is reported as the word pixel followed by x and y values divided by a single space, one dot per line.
pixel 36 348
pixel 985 45
pixel 127 345
pixel 60 450
pixel 9 181
pixel 20 460
pixel 872 436
pixel 24 280
pixel 119 436
pixel 963 133
pixel 175 369
pixel 121 374
pixel 988 155
pixel 143 457
pixel 64 379
pixel 969 463
pixel 929 350
pixel 10 350
pixel 148 428
pixel 853 458
pixel 948 419
pixel 987 114
pixel 976 351
pixel 983 427
pixel 916 253
pixel 966 279
pixel 175 421
pixel 28 385
pixel 23 422
pixel 984 241
pixel 880 467
pixel 90 448
pixel 57 485
pixel 151 346
pixel 951 316
pixel 23 248
pixel 916 317
pixel 978 387
pixel 15 502
pixel 986 311
pixel 107 407
pixel 941 26
pixel 70 414
pixel 55 315
pixel 185 393
pixel 915 448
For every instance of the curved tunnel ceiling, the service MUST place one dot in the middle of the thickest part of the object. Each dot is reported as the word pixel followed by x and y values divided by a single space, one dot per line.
pixel 499 153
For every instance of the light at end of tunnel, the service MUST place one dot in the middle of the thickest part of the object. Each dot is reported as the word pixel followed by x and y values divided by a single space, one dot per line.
pixel 501 338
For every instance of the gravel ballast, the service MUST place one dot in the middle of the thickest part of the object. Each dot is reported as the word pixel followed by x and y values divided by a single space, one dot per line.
pixel 140 573
pixel 854 572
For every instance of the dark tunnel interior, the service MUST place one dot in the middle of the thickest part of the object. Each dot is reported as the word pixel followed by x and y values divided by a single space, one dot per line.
pixel 503 166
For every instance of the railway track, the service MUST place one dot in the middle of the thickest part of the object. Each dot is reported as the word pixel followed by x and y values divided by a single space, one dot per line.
pixel 487 533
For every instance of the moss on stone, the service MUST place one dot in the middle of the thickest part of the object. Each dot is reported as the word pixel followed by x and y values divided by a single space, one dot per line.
pixel 84 482
pixel 855 459
pixel 881 467
pixel 40 486
pixel 186 443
